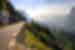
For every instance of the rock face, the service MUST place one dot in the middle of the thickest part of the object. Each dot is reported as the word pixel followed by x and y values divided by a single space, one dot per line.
pixel 4 17
pixel 7 12
pixel 4 14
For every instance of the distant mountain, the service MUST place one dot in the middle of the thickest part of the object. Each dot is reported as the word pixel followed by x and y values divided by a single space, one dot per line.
pixel 52 22
pixel 70 22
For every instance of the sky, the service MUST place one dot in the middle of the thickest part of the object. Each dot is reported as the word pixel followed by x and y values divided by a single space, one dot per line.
pixel 30 5
pixel 48 11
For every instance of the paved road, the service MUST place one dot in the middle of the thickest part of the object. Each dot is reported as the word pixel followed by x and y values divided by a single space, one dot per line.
pixel 8 35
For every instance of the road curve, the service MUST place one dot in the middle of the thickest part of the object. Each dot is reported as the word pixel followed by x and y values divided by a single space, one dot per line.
pixel 8 35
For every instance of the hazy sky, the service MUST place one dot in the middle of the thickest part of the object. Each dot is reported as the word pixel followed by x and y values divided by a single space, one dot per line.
pixel 51 11
pixel 30 5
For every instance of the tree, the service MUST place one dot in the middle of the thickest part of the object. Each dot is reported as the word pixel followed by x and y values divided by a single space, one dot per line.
pixel 44 35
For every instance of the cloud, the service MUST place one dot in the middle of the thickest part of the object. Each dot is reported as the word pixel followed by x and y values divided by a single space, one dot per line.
pixel 60 1
pixel 51 15
pixel 31 4
pixel 51 10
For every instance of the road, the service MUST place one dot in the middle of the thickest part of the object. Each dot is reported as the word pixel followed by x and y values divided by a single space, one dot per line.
pixel 8 35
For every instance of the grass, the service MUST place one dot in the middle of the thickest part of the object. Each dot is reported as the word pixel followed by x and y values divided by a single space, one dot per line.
pixel 33 42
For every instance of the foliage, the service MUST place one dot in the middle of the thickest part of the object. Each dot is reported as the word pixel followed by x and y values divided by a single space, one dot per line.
pixel 20 16
pixel 47 38
pixel 36 35
pixel 32 41
pixel 41 36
